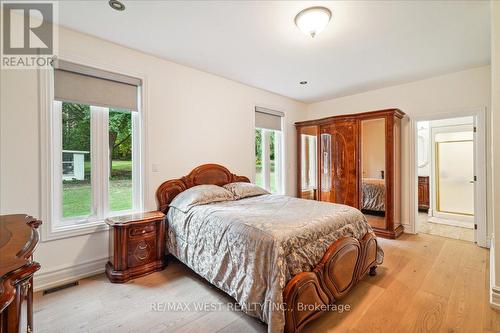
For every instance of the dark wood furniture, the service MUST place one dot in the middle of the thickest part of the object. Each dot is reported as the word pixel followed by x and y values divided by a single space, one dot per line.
pixel 136 245
pixel 18 239
pixel 338 160
pixel 423 193
pixel 306 295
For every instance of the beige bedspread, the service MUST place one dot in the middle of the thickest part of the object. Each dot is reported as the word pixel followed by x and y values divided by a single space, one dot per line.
pixel 373 192
pixel 251 247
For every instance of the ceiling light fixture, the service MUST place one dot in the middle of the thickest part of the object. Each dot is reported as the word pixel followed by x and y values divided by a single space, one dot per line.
pixel 303 82
pixel 117 5
pixel 313 20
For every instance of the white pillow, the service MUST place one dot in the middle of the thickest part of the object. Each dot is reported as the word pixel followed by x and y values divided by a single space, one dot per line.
pixel 200 195
pixel 242 190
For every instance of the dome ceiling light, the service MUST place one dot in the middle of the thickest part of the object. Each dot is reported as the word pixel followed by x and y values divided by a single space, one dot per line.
pixel 117 5
pixel 313 20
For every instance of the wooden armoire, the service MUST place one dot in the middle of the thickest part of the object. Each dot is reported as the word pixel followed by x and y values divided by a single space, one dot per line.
pixel 340 157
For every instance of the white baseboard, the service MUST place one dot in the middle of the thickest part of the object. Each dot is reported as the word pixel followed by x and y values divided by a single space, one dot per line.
pixel 454 223
pixel 62 275
pixel 409 228
pixel 494 290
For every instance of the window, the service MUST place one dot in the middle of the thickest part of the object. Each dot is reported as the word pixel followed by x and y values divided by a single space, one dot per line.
pixel 96 158
pixel 268 150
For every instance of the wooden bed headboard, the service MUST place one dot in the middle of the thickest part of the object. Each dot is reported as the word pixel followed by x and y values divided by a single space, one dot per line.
pixel 205 174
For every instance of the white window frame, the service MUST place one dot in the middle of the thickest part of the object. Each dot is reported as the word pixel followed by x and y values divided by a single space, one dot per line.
pixel 51 164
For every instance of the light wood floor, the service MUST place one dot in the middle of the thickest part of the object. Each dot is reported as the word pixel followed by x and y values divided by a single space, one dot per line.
pixel 426 284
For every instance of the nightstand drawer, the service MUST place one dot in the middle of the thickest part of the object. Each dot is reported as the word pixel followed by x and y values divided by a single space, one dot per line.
pixel 142 231
pixel 141 251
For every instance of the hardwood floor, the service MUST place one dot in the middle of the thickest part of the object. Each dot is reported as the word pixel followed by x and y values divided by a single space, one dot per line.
pixel 426 284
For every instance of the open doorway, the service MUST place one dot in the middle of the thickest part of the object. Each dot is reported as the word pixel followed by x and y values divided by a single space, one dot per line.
pixel 447 172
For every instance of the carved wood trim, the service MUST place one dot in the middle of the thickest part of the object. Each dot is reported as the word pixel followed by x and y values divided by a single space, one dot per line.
pixel 365 115
pixel 344 263
pixel 206 174
pixel 18 239
pixel 339 267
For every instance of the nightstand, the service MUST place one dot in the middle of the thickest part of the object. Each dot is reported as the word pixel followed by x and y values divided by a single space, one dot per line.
pixel 136 245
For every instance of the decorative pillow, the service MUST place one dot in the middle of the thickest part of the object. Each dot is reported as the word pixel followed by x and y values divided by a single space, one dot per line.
pixel 200 195
pixel 242 190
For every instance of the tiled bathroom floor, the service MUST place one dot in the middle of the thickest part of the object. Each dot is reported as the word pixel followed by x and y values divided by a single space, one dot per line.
pixel 443 230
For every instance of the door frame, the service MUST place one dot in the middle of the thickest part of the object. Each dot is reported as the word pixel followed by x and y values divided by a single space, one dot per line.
pixel 480 195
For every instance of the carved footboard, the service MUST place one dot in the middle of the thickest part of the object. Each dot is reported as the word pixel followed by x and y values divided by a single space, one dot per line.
pixel 345 262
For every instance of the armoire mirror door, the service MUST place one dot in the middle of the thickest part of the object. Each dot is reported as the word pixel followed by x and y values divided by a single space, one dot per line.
pixel 373 193
pixel 308 181
pixel 326 193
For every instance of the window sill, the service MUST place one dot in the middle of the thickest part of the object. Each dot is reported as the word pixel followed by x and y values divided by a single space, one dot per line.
pixel 72 230
pixel 78 228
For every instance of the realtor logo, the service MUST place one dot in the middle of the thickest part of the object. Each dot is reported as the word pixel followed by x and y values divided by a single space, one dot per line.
pixel 28 33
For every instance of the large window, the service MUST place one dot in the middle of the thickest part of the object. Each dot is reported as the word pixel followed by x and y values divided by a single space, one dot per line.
pixel 96 167
pixel 268 150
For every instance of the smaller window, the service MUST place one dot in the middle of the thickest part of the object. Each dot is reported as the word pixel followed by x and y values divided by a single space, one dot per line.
pixel 268 150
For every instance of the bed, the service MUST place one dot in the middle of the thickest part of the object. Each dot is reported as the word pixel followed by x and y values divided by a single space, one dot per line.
pixel 373 192
pixel 283 259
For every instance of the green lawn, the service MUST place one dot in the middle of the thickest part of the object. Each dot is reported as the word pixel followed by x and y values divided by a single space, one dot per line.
pixel 77 199
pixel 272 179
pixel 120 195
pixel 122 166
pixel 118 167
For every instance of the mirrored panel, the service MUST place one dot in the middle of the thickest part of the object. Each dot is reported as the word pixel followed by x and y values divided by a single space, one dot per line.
pixel 326 166
pixel 308 162
pixel 373 172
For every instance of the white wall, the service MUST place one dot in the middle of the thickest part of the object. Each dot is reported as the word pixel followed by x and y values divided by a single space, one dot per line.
pixel 495 107
pixel 441 94
pixel 192 118
pixel 424 148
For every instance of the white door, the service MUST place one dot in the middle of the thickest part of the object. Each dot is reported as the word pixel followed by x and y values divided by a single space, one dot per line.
pixel 453 171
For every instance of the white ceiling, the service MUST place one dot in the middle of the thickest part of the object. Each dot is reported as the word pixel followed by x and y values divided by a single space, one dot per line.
pixel 367 45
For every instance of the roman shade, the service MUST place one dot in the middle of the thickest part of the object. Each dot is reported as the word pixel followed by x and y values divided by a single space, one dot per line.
pixel 268 119
pixel 86 85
